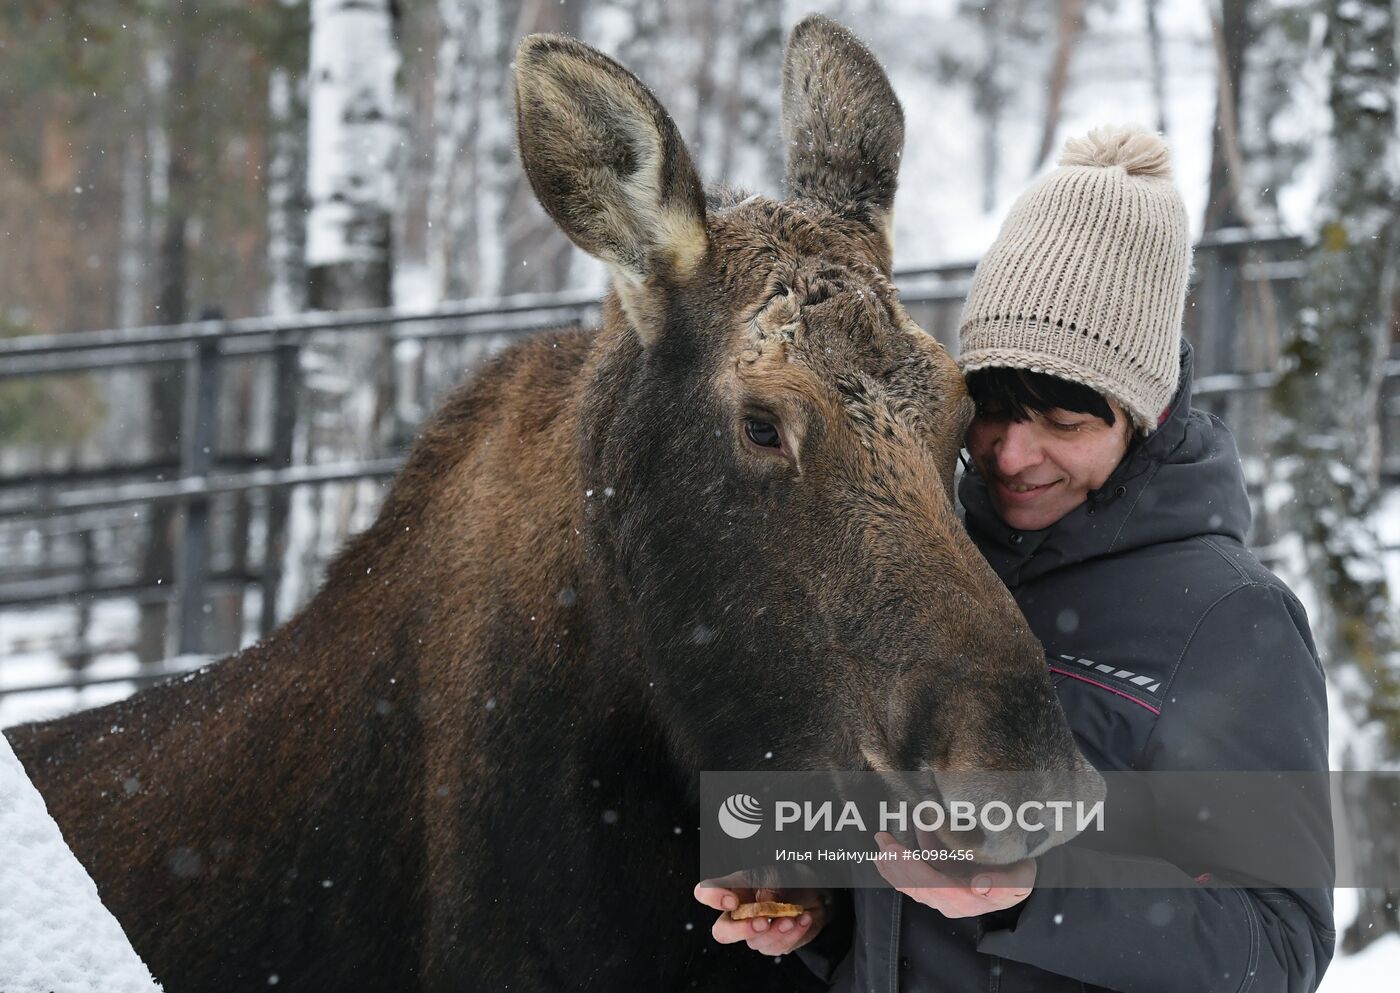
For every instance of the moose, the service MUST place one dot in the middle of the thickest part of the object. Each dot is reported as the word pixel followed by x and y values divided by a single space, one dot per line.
pixel 715 533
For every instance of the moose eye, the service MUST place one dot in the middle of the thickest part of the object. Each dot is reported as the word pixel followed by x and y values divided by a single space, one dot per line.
pixel 764 434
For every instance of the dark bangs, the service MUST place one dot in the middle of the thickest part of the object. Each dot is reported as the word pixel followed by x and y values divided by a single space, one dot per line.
pixel 1003 392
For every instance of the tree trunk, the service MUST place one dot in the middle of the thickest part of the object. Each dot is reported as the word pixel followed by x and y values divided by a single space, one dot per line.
pixel 452 250
pixel 172 73
pixel 1157 62
pixel 131 258
pixel 1328 397
pixel 1232 34
pixel 354 134
pixel 987 99
pixel 1070 26
pixel 286 193
pixel 701 120
pixel 495 146
pixel 352 159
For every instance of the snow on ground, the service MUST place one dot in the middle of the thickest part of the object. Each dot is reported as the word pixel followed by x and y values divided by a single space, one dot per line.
pixel 1370 970
pixel 55 935
pixel 33 645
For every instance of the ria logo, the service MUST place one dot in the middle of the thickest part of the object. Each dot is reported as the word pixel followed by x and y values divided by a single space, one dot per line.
pixel 741 816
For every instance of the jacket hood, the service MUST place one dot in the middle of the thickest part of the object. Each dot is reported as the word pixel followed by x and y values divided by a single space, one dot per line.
pixel 1181 481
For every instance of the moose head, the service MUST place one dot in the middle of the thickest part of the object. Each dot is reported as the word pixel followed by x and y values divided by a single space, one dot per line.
pixel 768 441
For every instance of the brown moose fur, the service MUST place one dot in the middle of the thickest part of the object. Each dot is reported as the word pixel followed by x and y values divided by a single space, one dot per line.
pixel 469 763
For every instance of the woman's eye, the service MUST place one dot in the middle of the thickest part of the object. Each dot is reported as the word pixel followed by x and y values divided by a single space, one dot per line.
pixel 762 433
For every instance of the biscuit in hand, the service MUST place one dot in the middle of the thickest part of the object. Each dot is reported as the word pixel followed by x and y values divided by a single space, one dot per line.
pixel 766 908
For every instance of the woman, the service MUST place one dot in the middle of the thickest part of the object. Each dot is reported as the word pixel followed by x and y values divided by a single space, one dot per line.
pixel 1116 515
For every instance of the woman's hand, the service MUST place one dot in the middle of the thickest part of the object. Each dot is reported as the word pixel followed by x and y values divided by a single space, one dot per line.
pixel 777 936
pixel 990 890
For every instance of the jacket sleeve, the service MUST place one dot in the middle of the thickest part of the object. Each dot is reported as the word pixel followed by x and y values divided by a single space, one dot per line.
pixel 824 952
pixel 1246 695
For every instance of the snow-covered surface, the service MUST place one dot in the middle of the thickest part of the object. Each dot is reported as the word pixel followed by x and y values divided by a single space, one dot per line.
pixel 55 935
pixel 1371 970
pixel 33 644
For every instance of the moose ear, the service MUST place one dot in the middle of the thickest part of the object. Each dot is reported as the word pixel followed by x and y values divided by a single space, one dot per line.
pixel 608 164
pixel 843 125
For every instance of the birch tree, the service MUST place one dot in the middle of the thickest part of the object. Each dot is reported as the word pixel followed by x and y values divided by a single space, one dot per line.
pixel 353 155
pixel 354 135
pixel 1328 399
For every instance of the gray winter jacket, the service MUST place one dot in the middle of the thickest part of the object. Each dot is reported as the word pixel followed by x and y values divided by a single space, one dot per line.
pixel 1213 668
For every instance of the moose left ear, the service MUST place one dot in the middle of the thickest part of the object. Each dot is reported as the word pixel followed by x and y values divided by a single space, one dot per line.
pixel 607 162
pixel 843 125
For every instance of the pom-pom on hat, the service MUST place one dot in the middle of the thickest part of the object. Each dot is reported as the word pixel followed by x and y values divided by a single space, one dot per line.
pixel 1087 278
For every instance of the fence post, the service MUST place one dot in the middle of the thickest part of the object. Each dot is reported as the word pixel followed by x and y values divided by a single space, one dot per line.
pixel 81 656
pixel 1219 266
pixel 197 424
pixel 286 387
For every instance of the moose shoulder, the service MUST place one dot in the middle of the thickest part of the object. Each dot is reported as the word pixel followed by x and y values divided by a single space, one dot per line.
pixel 715 533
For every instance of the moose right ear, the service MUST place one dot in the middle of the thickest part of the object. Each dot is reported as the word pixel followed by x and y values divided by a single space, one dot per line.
pixel 608 164
pixel 843 125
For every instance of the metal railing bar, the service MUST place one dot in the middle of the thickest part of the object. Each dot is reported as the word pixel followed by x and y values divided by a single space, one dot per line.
pixel 59 357
pixel 183 488
pixel 259 344
pixel 41 594
pixel 145 678
pixel 300 325
pixel 1271 237
pixel 1227 383
pixel 233 461
pixel 567 319
pixel 293 327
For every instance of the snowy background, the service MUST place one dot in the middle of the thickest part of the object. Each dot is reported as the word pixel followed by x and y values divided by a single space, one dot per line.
pixel 173 161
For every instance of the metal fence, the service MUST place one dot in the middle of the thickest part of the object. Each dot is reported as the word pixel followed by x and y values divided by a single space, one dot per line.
pixel 72 529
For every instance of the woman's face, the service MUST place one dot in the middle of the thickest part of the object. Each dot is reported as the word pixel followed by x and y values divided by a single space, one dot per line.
pixel 1040 469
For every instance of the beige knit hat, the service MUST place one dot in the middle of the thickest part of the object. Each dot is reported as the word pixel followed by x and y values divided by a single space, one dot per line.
pixel 1087 278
